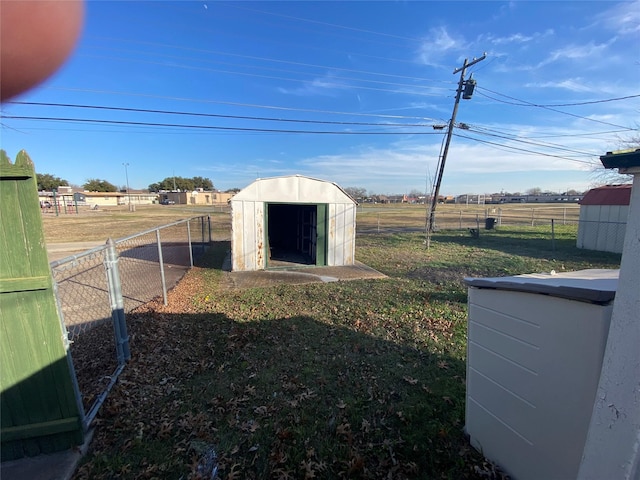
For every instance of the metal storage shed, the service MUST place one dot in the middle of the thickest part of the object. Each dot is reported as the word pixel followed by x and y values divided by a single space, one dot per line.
pixel 281 221
pixel 603 218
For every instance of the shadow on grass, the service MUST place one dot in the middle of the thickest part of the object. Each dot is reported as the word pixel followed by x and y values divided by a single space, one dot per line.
pixel 289 396
pixel 215 256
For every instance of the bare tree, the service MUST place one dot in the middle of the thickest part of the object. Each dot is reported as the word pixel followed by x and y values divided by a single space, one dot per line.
pixel 357 193
pixel 605 176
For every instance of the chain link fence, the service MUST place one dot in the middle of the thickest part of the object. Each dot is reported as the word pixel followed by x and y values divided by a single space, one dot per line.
pixel 96 288
pixel 552 223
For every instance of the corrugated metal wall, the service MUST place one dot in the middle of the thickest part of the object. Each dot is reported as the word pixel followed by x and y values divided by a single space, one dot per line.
pixel 342 226
pixel 602 227
pixel 248 249
pixel 247 236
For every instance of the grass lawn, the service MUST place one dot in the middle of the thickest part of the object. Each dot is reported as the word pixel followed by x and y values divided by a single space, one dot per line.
pixel 359 379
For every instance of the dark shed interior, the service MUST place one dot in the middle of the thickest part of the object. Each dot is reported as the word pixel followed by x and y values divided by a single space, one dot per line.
pixel 292 233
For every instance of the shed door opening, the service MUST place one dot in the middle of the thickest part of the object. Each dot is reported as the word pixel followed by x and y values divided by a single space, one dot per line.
pixel 296 233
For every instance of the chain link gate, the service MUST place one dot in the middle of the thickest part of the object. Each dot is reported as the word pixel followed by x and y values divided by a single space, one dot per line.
pixel 96 288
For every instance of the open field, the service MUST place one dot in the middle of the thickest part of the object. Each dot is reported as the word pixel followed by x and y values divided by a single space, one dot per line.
pixel 98 225
pixel 449 216
pixel 118 222
pixel 358 379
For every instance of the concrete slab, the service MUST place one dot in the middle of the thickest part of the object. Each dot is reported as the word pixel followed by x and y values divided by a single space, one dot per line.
pixel 297 275
pixel 55 466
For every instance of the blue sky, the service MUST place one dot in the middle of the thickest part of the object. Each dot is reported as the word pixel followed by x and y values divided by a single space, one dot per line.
pixel 250 83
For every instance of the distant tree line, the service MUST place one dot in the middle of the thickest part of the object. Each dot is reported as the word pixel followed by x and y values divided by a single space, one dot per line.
pixel 180 183
pixel 48 182
pixel 98 185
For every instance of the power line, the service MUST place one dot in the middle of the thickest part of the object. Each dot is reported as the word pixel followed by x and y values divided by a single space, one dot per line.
pixel 254 67
pixel 558 135
pixel 335 83
pixel 209 127
pixel 525 103
pixel 238 104
pixel 264 59
pixel 530 104
pixel 525 150
pixel 538 144
pixel 344 27
pixel 215 115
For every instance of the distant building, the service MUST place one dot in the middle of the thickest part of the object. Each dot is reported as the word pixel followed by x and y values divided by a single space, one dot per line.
pixel 105 199
pixel 65 195
pixel 196 197
pixel 542 198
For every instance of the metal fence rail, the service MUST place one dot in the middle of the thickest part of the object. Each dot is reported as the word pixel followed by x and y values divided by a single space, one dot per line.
pixel 588 234
pixel 96 288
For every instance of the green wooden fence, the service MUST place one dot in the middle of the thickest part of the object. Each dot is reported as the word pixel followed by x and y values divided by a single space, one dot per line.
pixel 39 407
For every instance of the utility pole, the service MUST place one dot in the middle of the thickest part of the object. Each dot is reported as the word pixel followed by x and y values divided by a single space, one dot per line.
pixel 126 174
pixel 467 87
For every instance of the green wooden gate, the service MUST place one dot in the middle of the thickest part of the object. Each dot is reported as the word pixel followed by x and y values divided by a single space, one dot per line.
pixel 40 412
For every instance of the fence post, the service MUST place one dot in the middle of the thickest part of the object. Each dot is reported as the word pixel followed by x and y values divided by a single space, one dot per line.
pixel 564 216
pixel 209 225
pixel 189 239
pixel 460 221
pixel 378 223
pixel 532 216
pixel 553 236
pixel 499 216
pixel 55 202
pixel 117 303
pixel 161 262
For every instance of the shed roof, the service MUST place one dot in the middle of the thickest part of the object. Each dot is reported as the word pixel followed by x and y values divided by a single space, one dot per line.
pixel 608 195
pixel 293 189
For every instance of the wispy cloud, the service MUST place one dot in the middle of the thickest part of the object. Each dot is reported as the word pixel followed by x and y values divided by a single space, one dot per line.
pixel 515 38
pixel 439 44
pixel 404 165
pixel 411 162
pixel 571 84
pixel 328 85
pixel 590 51
pixel 623 18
